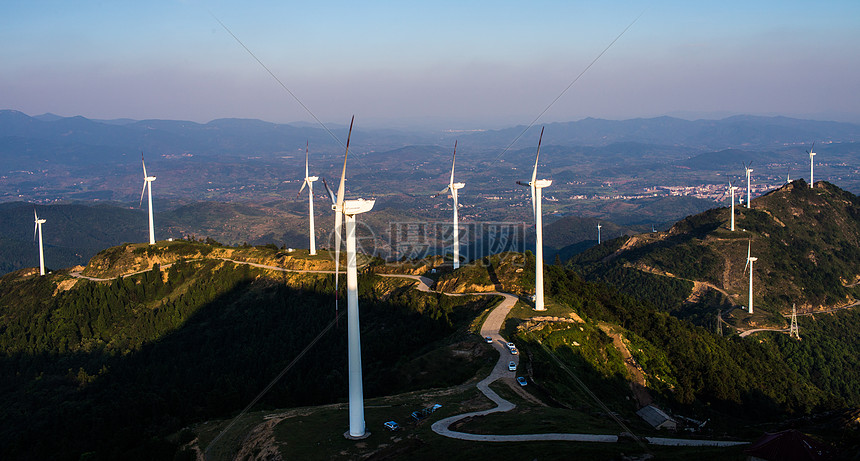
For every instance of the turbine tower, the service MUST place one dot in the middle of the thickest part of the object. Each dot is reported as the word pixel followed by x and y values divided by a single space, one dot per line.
pixel 750 261
pixel 38 229
pixel 454 187
pixel 598 233
pixel 748 172
pixel 536 185
pixel 811 153
pixel 345 210
pixel 309 181
pixel 147 187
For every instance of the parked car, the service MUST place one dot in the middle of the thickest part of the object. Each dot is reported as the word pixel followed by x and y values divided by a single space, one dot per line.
pixel 392 426
pixel 514 351
pixel 512 366
pixel 511 346
pixel 488 339
pixel 522 381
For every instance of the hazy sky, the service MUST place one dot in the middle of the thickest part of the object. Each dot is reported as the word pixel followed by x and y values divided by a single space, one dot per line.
pixel 463 64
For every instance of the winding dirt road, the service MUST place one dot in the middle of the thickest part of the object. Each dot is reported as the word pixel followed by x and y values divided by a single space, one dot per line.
pixel 490 328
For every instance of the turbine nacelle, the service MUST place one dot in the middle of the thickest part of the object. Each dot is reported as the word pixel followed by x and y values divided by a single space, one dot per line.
pixel 354 207
pixel 312 178
pixel 457 185
pixel 541 183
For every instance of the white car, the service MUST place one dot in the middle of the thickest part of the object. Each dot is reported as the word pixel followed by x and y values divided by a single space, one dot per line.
pixel 392 426
pixel 512 366
pixel 511 346
pixel 488 339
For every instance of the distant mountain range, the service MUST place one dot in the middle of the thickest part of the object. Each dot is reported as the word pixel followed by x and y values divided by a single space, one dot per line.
pixel 24 139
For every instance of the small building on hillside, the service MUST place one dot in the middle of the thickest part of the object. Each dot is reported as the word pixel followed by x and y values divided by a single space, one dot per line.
pixel 657 418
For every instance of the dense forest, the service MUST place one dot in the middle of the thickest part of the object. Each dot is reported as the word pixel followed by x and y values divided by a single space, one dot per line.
pixel 764 378
pixel 112 369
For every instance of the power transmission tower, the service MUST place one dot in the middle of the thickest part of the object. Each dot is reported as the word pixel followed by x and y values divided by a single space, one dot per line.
pixel 793 331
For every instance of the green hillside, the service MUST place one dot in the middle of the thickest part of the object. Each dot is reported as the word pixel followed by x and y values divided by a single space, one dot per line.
pixel 113 368
pixel 807 242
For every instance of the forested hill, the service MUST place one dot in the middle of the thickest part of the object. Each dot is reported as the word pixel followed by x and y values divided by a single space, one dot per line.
pixel 807 241
pixel 111 369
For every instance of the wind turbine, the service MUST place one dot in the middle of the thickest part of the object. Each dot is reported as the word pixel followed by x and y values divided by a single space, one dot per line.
pixel 309 181
pixel 147 186
pixel 38 229
pixel 598 233
pixel 750 261
pixel 788 176
pixel 811 153
pixel 345 210
pixel 454 187
pixel 536 185
pixel 732 189
pixel 748 172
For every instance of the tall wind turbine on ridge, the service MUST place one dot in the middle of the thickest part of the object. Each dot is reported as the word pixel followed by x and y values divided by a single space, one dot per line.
pixel 345 210
pixel 733 188
pixel 536 185
pixel 750 260
pixel 811 153
pixel 147 186
pixel 309 181
pixel 38 229
pixel 598 233
pixel 748 172
pixel 454 187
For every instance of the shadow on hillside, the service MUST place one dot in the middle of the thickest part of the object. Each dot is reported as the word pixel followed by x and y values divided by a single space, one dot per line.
pixel 122 406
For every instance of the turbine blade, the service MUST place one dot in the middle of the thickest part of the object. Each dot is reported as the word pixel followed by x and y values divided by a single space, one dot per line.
pixel 534 204
pixel 442 191
pixel 749 249
pixel 525 184
pixel 37 223
pixel 307 144
pixel 330 193
pixel 537 156
pixel 141 194
pixel 340 188
pixel 304 183
pixel 453 160
pixel 813 147
pixel 143 163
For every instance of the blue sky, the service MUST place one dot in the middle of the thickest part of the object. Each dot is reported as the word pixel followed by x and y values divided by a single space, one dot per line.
pixel 460 64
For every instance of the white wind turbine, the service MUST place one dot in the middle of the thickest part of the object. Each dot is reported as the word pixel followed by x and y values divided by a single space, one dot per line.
pixel 536 185
pixel 147 187
pixel 309 181
pixel 750 261
pixel 748 172
pixel 454 187
pixel 811 153
pixel 38 229
pixel 732 189
pixel 598 233
pixel 345 210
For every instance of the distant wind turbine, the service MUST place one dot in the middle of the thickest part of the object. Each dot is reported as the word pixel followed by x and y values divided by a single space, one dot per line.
pixel 811 153
pixel 750 260
pixel 454 187
pixel 598 233
pixel 147 187
pixel 733 188
pixel 788 176
pixel 345 210
pixel 748 172
pixel 38 229
pixel 309 181
pixel 536 185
